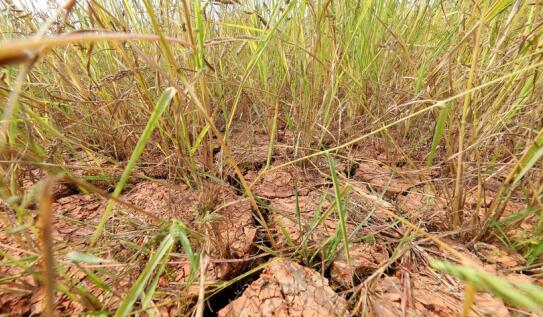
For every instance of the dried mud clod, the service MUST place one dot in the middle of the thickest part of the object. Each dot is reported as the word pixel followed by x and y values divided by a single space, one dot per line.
pixel 421 294
pixel 309 220
pixel 16 287
pixel 477 203
pixel 250 149
pixel 423 208
pixel 285 182
pixel 97 170
pixel 286 288
pixel 31 177
pixel 383 179
pixel 76 218
pixel 226 220
pixel 494 255
pixel 293 229
pixel 409 192
pixel 417 290
pixel 217 211
pixel 305 220
pixel 365 259
pixel 157 170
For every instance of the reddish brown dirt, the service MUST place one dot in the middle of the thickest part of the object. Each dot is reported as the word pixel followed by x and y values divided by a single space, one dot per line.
pixel 365 259
pixel 417 294
pixel 74 220
pixel 286 288
pixel 231 234
pixel 388 280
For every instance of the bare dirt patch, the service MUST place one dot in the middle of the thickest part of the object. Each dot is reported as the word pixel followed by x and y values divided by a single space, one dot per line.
pixel 299 201
pixel 365 259
pixel 286 288
pixel 225 218
pixel 383 179
pixel 426 294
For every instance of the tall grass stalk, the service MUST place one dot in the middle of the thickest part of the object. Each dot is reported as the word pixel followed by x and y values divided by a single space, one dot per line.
pixel 46 241
pixel 450 89
pixel 161 106
pixel 342 215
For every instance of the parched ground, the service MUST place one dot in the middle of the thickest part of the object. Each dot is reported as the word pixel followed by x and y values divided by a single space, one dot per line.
pixel 304 271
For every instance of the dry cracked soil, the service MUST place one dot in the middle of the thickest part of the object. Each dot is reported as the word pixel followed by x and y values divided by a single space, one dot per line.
pixel 306 274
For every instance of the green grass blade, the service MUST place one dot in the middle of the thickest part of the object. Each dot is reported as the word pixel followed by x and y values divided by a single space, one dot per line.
pixel 96 280
pixel 534 153
pixel 154 283
pixel 78 257
pixel 340 208
pixel 199 139
pixel 137 289
pixel 495 284
pixel 255 58
pixel 534 252
pixel 179 231
pixel 533 291
pixel 438 133
pixel 161 106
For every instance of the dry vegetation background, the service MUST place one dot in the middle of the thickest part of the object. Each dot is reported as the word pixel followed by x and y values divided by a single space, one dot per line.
pixel 259 158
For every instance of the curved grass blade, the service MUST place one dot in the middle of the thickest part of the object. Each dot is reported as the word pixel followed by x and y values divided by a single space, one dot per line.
pixel 438 133
pixel 161 105
pixel 16 51
pixel 498 286
pixel 163 251
pixel 528 160
pixel 179 231
pixel 78 257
